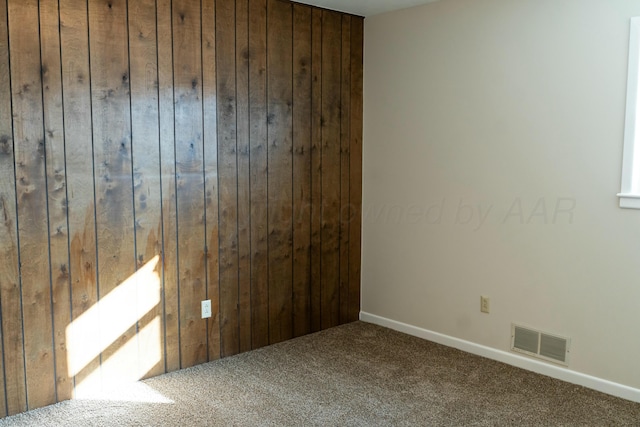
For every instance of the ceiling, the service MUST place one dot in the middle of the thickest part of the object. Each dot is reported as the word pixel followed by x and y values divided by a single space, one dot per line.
pixel 365 7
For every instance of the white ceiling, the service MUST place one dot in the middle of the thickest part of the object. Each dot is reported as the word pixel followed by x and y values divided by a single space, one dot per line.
pixel 365 7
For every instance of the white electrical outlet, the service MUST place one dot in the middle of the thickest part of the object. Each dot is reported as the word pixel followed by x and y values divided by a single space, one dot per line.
pixel 484 304
pixel 206 309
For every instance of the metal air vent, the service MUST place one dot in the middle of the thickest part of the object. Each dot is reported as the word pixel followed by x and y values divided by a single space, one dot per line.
pixel 540 344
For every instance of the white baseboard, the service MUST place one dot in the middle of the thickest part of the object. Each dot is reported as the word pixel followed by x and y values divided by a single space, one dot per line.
pixel 512 359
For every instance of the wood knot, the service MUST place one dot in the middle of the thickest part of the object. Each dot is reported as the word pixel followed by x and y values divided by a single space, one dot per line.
pixel 5 145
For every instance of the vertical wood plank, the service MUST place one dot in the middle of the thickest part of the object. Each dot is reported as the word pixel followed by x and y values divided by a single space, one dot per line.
pixel 168 180
pixel 190 175
pixel 316 169
pixel 7 185
pixel 56 177
pixel 330 253
pixel 302 170
pixel 30 157
pixel 280 200
pixel 244 202
pixel 357 37
pixel 345 141
pixel 228 175
pixel 74 39
pixel 146 177
pixel 10 303
pixel 211 170
pixel 113 181
pixel 258 167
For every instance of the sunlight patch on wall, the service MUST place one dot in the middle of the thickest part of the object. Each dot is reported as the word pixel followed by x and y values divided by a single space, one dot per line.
pixel 126 365
pixel 103 327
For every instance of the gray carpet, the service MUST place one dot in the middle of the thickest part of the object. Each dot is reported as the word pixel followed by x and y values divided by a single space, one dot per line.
pixel 353 375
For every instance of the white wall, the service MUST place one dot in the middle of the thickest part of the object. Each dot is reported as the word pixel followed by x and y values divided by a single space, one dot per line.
pixel 474 108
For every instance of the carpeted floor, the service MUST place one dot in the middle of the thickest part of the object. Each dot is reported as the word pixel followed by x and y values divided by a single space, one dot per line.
pixel 353 375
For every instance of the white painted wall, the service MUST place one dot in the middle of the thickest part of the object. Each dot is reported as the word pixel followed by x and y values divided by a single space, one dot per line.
pixel 482 117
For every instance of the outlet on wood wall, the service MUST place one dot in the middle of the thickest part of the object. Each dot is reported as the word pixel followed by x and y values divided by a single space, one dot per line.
pixel 157 153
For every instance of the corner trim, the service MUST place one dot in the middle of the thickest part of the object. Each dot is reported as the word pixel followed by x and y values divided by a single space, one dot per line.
pixel 564 374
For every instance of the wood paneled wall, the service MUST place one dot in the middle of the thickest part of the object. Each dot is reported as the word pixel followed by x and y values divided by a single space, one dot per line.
pixel 158 153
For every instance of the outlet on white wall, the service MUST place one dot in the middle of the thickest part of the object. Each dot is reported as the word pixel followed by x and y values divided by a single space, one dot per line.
pixel 206 309
pixel 484 304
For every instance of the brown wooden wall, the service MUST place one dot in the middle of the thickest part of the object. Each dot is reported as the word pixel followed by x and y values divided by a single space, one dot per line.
pixel 157 153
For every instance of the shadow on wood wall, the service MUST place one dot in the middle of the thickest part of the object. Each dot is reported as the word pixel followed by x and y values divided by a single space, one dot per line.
pixel 157 153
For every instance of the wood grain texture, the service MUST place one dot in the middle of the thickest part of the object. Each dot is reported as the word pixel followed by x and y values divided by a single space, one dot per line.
pixel 145 135
pixel 355 168
pixel 228 176
pixel 56 190
pixel 301 170
pixel 31 188
pixel 7 240
pixel 280 163
pixel 316 169
pixel 74 39
pixel 115 237
pixel 345 142
pixel 259 170
pixel 211 171
pixel 10 302
pixel 331 159
pixel 168 187
pixel 167 152
pixel 244 178
pixel 190 179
